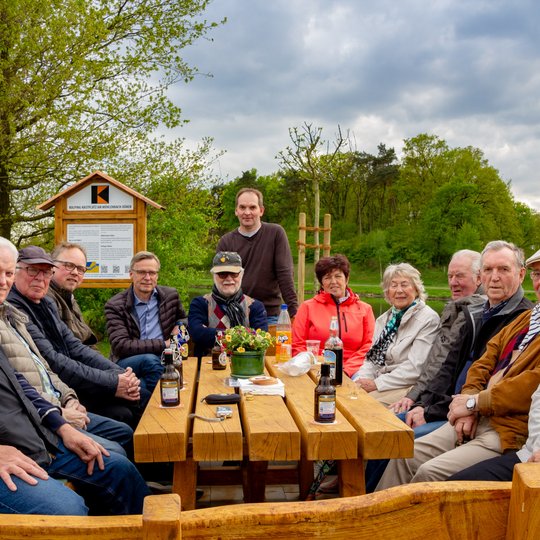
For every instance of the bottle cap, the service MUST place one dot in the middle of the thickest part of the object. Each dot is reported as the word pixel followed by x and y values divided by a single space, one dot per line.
pixel 325 370
pixel 284 306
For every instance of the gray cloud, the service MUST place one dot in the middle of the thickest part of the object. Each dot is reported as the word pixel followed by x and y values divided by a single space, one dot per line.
pixel 386 70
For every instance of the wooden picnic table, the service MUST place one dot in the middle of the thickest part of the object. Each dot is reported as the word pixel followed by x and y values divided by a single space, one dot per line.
pixel 267 428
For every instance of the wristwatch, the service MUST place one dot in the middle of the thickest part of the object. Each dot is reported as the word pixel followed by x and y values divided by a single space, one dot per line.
pixel 471 404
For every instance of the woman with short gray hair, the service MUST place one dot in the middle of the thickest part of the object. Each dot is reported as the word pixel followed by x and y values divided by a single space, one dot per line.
pixel 403 337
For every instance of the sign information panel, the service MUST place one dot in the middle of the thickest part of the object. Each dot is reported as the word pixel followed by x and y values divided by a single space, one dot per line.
pixel 109 248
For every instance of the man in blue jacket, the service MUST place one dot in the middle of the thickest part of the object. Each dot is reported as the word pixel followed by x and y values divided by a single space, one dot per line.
pixel 226 306
pixel 102 386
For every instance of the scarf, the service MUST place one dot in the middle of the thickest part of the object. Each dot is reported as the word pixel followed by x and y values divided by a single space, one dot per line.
pixel 232 306
pixel 377 353
pixel 534 327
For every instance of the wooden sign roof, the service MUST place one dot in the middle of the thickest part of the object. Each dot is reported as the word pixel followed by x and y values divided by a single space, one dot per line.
pixel 93 177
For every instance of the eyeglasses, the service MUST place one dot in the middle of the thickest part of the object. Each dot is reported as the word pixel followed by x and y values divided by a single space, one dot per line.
pixel 223 275
pixel 535 274
pixel 143 273
pixel 69 266
pixel 34 272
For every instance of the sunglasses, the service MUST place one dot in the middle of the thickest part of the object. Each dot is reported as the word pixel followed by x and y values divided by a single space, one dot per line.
pixel 223 275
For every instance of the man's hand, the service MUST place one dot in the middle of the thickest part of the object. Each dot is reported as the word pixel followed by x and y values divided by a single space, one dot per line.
pixel 86 448
pixel 366 384
pixel 75 404
pixel 403 405
pixel 415 417
pixel 129 386
pixel 75 417
pixel 13 461
pixel 466 428
pixel 458 407
pixel 535 457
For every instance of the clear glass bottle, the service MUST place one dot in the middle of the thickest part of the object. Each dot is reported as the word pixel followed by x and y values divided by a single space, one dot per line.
pixel 169 383
pixel 325 398
pixel 333 353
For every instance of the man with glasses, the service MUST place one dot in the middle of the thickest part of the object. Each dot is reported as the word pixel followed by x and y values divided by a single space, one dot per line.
pixel 226 306
pixel 70 262
pixel 102 386
pixel 141 319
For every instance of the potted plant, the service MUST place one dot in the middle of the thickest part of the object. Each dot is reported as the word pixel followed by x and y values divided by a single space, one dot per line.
pixel 246 348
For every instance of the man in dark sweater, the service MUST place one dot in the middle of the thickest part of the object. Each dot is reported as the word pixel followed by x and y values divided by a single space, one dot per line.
pixel 265 253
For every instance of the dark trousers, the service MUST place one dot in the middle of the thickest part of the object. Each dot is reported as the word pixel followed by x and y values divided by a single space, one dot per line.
pixel 497 469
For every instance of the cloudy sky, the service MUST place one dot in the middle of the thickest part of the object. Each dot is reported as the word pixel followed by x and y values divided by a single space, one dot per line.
pixel 386 70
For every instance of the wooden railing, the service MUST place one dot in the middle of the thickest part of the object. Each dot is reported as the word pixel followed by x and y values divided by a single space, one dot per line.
pixel 442 510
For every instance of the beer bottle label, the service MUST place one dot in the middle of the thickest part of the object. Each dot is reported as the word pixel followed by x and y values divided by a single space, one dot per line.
pixel 169 391
pixel 327 407
pixel 330 358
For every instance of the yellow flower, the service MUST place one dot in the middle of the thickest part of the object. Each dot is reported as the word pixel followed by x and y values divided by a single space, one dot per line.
pixel 228 337
pixel 241 349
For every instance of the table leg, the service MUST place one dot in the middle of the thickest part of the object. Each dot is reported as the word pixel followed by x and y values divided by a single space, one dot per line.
pixel 254 480
pixel 305 477
pixel 185 482
pixel 351 477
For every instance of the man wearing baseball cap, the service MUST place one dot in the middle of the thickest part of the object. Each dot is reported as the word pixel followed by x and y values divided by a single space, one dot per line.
pixel 102 386
pixel 226 306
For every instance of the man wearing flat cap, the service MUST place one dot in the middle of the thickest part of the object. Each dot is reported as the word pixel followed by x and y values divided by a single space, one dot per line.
pixel 102 386
pixel 226 306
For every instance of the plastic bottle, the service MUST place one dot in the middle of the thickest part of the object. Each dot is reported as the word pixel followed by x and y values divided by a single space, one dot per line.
pixel 283 336
pixel 325 398
pixel 333 353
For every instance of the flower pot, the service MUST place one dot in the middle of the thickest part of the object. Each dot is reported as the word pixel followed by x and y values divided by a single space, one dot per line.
pixel 247 364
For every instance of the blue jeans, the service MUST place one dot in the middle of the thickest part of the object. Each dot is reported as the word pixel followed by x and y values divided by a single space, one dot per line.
pixel 272 319
pixel 113 435
pixel 146 366
pixel 118 489
pixel 49 497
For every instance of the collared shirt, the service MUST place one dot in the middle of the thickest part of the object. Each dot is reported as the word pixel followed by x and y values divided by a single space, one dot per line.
pixel 148 315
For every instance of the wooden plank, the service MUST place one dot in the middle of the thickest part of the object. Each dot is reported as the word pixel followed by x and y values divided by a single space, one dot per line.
pixel 523 515
pixel 332 441
pixel 163 433
pixel 270 432
pixel 215 441
pixel 438 511
pixel 381 434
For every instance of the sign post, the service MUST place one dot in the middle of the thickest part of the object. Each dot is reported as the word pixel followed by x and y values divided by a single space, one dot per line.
pixel 108 219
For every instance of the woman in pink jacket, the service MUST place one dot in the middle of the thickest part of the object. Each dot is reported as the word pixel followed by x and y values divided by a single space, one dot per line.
pixel 356 320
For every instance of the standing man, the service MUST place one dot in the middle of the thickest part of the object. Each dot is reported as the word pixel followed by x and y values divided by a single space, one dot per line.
pixel 70 262
pixel 265 253
pixel 102 386
pixel 141 319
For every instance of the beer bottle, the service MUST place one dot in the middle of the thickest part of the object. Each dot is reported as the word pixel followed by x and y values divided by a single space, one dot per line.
pixel 217 352
pixel 333 353
pixel 177 359
pixel 325 397
pixel 169 382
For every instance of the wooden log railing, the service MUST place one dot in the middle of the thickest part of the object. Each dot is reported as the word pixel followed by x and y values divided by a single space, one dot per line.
pixel 438 511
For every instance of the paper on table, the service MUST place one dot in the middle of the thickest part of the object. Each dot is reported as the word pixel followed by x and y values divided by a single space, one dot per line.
pixel 277 389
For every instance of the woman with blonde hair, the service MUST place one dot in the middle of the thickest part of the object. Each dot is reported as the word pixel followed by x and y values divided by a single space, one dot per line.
pixel 402 339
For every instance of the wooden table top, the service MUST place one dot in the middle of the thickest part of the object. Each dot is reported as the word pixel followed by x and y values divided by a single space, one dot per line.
pixel 272 428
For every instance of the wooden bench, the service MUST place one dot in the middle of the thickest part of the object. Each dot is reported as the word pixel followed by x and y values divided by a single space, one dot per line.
pixel 438 511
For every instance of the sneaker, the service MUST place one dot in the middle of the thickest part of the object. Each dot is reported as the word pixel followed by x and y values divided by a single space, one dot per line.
pixel 329 485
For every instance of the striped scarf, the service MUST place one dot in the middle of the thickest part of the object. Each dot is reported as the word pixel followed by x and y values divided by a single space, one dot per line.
pixel 534 327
